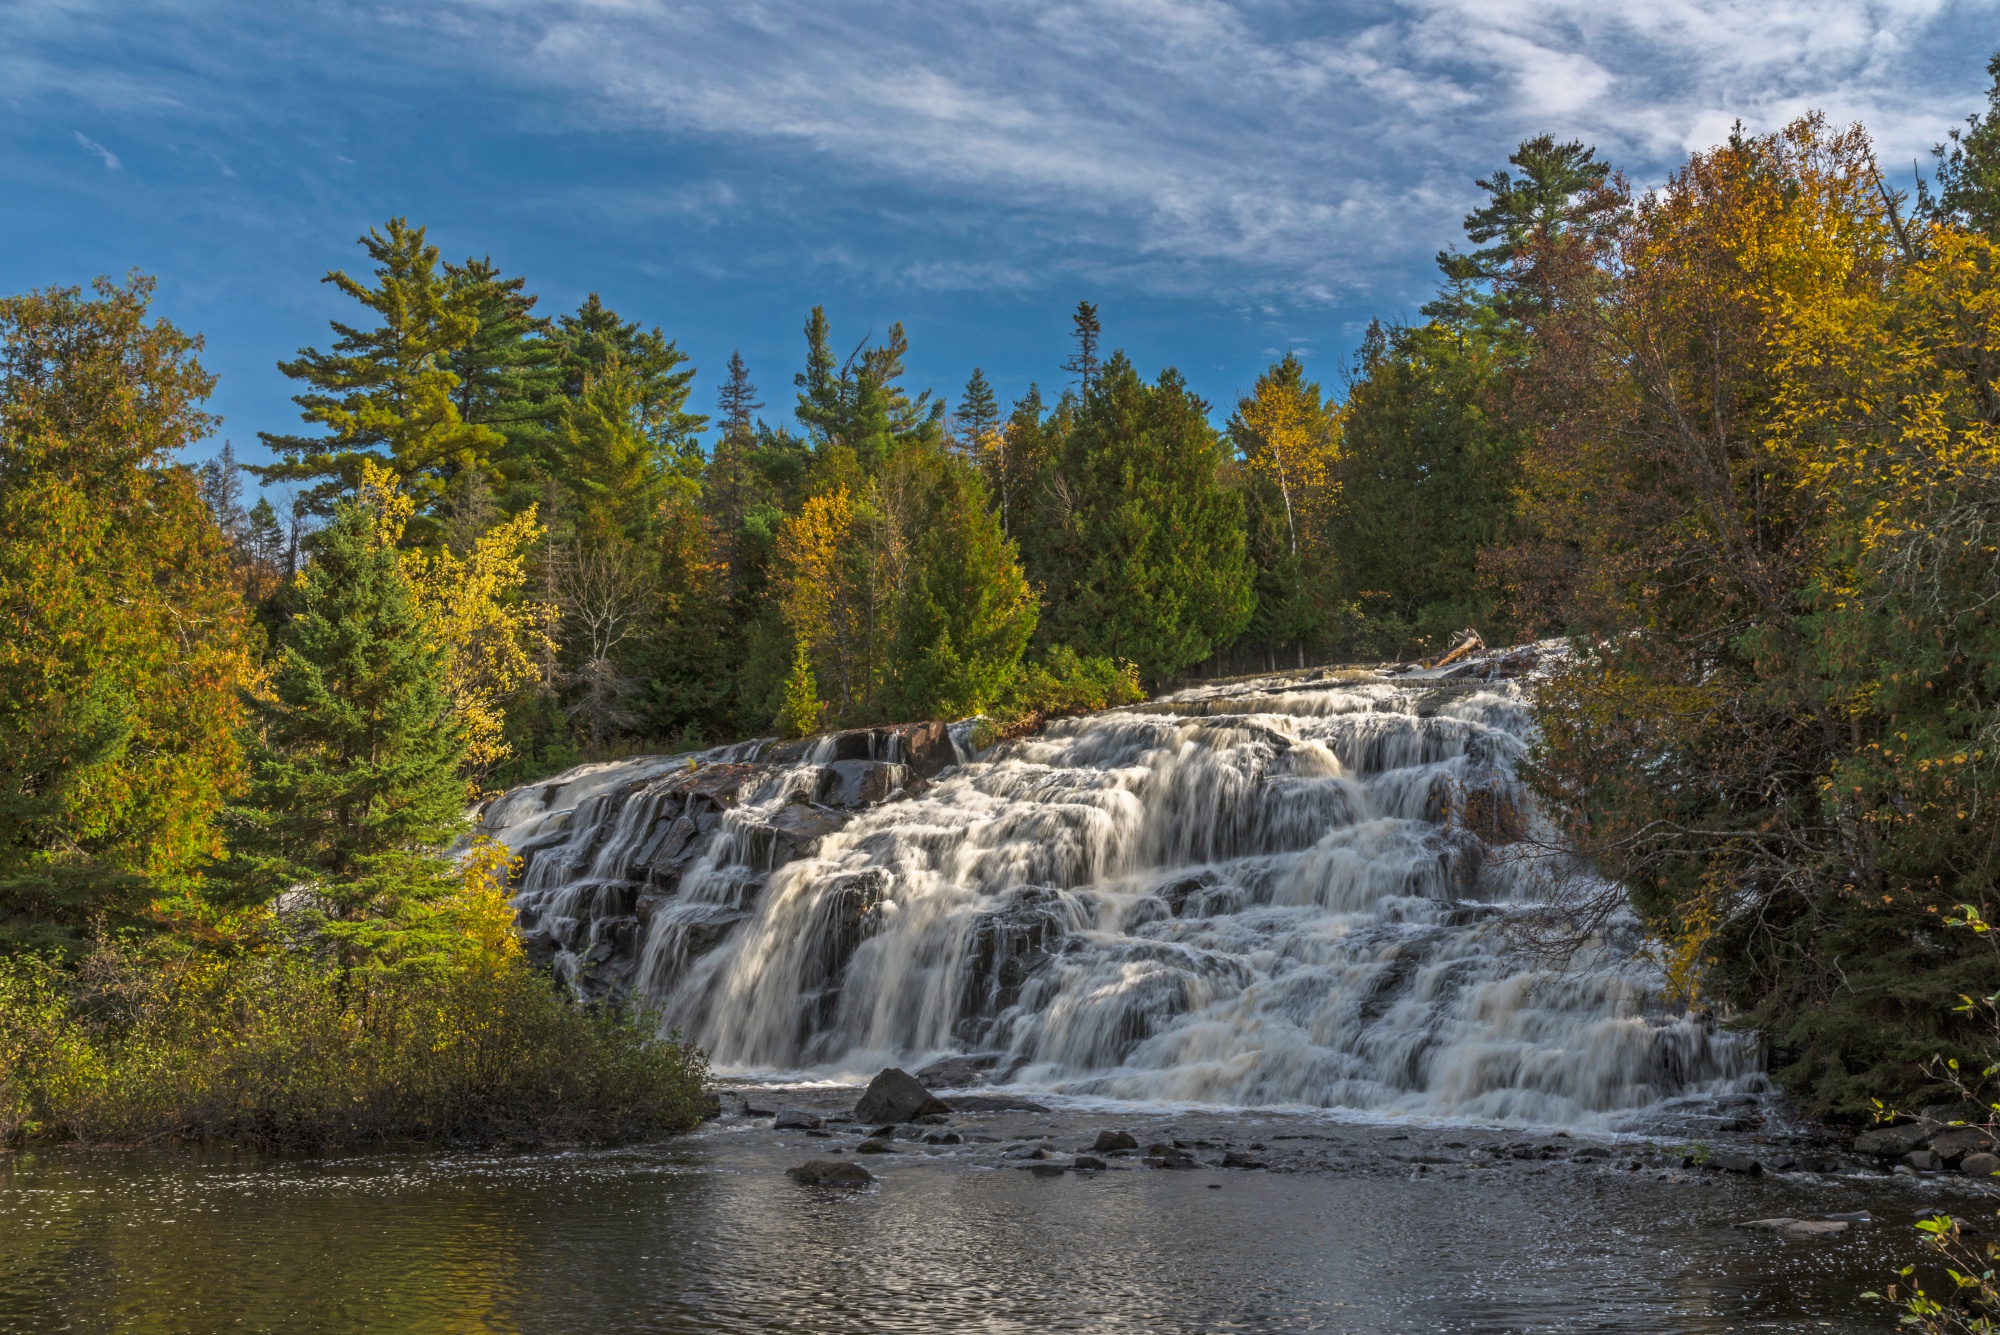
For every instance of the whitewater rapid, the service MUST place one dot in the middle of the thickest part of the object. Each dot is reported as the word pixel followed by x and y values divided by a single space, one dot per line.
pixel 1276 894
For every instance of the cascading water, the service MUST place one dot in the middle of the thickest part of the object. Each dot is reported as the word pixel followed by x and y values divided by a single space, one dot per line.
pixel 1293 893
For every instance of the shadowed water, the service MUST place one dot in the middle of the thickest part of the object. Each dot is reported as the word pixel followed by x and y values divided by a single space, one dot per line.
pixel 707 1234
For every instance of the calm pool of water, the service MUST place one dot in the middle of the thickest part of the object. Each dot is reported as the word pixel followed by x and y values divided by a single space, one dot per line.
pixel 707 1234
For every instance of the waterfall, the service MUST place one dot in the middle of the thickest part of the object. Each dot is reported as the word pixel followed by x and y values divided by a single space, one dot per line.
pixel 1281 893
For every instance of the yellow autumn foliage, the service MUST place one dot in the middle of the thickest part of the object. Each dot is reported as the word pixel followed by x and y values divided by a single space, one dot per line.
pixel 494 640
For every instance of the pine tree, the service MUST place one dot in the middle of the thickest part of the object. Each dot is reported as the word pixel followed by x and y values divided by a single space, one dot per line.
pixel 1083 364
pixel 1968 169
pixel 388 393
pixel 856 405
pixel 508 377
pixel 615 472
pixel 1146 561
pixel 354 766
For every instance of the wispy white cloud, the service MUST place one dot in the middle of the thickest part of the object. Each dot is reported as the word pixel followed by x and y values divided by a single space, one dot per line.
pixel 1259 150
pixel 111 162
pixel 1259 143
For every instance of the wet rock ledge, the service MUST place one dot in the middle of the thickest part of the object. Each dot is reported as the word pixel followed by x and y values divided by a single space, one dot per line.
pixel 596 869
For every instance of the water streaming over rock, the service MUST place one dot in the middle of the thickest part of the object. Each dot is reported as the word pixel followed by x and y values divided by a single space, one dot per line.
pixel 1287 892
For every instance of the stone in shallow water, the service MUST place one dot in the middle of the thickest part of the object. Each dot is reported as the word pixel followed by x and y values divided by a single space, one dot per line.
pixel 897 1096
pixel 831 1173
pixel 1797 1228
pixel 1730 1162
pixel 798 1119
pixel 958 1072
pixel 876 1147
pixel 1893 1142
pixel 1114 1140
pixel 995 1103
pixel 1085 1164
pixel 1982 1164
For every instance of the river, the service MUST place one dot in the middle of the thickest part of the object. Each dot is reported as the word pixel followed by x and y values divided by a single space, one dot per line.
pixel 1355 1226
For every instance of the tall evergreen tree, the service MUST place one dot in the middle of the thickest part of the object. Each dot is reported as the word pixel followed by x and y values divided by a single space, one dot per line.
pixel 1968 169
pixel 1012 469
pixel 966 612
pixel 856 405
pixel 508 373
pixel 354 763
pixel 1086 330
pixel 978 414
pixel 614 470
pixel 388 393
pixel 1145 553
pixel 737 400
pixel 595 339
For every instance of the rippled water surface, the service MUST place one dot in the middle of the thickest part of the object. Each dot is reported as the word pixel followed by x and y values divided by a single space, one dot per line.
pixel 707 1234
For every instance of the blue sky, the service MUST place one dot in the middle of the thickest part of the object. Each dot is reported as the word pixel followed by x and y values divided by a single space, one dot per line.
pixel 1227 179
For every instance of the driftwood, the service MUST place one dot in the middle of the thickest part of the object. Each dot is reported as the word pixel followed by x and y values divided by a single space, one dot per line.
pixel 1470 644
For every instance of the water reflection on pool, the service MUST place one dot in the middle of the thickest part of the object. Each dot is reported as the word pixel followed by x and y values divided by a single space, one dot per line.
pixel 707 1234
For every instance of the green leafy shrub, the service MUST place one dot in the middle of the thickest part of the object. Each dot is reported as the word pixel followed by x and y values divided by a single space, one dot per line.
pixel 283 1048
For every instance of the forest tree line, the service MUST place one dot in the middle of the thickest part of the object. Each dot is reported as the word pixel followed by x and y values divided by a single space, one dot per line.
pixel 1734 436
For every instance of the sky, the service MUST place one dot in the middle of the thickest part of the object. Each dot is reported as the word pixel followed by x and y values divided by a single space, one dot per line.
pixel 1226 179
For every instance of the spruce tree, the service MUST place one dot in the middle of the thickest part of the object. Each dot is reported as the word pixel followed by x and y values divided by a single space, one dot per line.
pixel 978 413
pixel 354 761
pixel 966 612
pixel 738 401
pixel 1086 330
pixel 1146 555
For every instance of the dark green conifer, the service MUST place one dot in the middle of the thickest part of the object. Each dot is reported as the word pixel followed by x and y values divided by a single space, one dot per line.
pixel 1146 550
pixel 388 393
pixel 1086 330
pixel 967 612
pixel 595 339
pixel 354 762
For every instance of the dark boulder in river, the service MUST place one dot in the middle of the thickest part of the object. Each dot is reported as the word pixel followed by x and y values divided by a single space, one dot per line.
pixel 897 1096
pixel 831 1173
